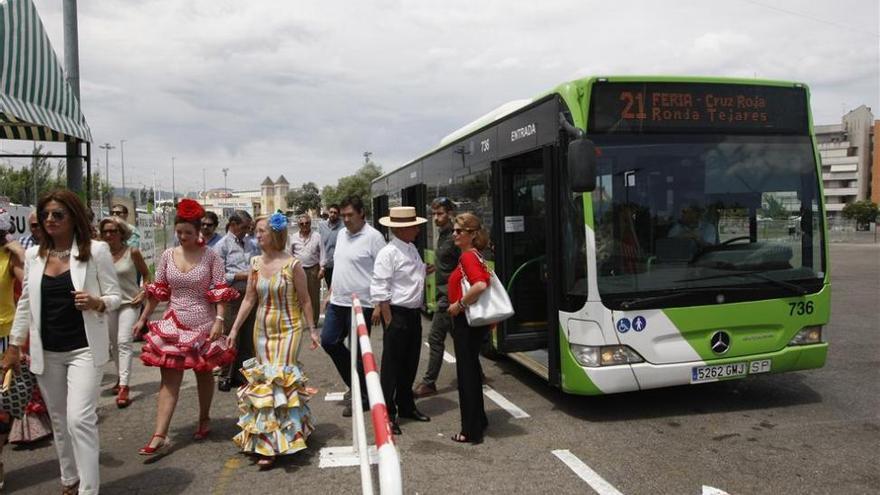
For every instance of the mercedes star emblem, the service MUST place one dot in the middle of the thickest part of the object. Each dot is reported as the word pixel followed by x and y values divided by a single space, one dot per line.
pixel 720 342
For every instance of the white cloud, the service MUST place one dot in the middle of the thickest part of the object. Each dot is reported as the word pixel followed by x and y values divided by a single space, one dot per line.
pixel 303 88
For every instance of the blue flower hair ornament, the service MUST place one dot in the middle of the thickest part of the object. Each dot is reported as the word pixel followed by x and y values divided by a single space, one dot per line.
pixel 278 221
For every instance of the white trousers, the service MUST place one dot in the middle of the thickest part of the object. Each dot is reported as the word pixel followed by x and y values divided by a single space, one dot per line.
pixel 119 323
pixel 70 384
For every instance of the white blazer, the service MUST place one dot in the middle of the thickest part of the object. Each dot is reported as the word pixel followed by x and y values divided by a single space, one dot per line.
pixel 96 276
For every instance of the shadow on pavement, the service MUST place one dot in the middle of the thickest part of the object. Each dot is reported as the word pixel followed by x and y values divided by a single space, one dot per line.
pixel 764 392
pixel 166 481
pixel 34 474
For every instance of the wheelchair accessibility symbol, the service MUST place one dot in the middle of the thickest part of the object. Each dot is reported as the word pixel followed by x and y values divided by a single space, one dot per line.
pixel 623 325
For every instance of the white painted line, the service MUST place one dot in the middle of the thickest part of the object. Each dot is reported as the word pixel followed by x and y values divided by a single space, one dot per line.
pixel 344 456
pixel 449 358
pixel 505 404
pixel 711 490
pixel 592 478
pixel 334 396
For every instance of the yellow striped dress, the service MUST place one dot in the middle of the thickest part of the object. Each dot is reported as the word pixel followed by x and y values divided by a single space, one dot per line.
pixel 274 417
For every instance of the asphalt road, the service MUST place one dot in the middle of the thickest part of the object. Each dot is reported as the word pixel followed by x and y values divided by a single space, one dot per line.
pixel 805 432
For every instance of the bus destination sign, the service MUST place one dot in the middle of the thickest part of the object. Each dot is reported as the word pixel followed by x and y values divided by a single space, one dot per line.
pixel 697 107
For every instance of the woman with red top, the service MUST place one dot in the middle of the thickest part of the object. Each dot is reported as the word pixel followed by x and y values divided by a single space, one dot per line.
pixel 191 277
pixel 470 237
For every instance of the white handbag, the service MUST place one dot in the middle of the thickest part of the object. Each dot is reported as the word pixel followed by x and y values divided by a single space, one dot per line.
pixel 493 304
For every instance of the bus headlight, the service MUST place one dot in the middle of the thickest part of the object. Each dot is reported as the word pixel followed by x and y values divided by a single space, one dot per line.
pixel 807 335
pixel 605 355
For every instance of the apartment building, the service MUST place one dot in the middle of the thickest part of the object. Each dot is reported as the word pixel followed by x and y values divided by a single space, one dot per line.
pixel 845 150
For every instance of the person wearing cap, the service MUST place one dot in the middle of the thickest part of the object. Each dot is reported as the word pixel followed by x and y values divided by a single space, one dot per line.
pixel 397 289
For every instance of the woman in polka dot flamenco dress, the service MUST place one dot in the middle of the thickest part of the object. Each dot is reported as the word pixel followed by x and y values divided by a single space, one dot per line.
pixel 190 334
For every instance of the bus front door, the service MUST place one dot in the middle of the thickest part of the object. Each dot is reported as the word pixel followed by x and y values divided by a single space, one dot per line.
pixel 521 227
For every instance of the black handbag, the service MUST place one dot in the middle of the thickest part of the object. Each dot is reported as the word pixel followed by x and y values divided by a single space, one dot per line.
pixel 16 391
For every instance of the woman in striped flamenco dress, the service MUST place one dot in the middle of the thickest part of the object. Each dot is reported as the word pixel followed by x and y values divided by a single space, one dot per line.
pixel 275 419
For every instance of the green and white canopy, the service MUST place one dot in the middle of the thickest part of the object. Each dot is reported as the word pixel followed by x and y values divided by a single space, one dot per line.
pixel 36 103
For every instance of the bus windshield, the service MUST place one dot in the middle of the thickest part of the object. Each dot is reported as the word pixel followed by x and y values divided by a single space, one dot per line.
pixel 686 220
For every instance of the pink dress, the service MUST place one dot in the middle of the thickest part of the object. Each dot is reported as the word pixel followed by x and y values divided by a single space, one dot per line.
pixel 180 339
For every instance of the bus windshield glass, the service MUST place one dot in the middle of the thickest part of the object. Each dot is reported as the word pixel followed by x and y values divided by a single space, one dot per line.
pixel 715 217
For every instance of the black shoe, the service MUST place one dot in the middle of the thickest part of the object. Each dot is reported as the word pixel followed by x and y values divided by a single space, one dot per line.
pixel 346 411
pixel 415 414
pixel 224 385
pixel 395 428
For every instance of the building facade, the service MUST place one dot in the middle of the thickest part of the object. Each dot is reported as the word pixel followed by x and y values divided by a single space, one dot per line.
pixel 845 151
pixel 273 195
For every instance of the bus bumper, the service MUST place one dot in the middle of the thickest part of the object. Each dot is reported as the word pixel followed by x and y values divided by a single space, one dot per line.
pixel 642 376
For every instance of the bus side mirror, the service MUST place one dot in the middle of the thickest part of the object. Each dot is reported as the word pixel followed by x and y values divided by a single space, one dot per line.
pixel 582 165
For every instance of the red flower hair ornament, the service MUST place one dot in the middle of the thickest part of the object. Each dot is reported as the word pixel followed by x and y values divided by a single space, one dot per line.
pixel 190 210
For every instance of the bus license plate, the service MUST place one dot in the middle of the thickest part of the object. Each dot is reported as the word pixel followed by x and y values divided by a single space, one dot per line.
pixel 717 372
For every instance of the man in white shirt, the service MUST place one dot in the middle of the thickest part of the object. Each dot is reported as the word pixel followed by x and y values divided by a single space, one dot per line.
pixel 398 290
pixel 306 247
pixel 356 248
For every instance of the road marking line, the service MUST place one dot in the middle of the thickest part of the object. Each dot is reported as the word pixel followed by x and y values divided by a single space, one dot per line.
pixel 505 404
pixel 449 358
pixel 229 468
pixel 334 396
pixel 344 456
pixel 592 478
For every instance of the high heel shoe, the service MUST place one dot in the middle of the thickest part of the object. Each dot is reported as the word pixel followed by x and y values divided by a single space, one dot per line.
pixel 122 399
pixel 203 431
pixel 148 449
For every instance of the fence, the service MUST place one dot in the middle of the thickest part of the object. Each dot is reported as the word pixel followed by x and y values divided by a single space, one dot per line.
pixel 390 481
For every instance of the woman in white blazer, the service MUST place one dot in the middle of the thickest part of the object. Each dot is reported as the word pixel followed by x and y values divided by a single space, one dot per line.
pixel 69 285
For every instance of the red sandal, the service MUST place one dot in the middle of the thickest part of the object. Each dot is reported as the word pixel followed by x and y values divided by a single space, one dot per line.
pixel 204 429
pixel 148 449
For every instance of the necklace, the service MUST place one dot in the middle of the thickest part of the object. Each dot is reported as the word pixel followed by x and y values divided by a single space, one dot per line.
pixel 60 254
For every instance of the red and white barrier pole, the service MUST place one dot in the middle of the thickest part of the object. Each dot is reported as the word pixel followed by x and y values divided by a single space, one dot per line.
pixel 390 481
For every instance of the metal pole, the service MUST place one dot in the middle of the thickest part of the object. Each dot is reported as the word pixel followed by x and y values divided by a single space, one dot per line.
pixel 122 162
pixel 71 69
pixel 34 173
pixel 225 171
pixel 106 147
pixel 204 188
pixel 173 188
pixel 367 157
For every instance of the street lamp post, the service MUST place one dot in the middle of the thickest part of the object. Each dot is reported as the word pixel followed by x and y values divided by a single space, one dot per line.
pixel 173 188
pixel 225 171
pixel 122 162
pixel 106 147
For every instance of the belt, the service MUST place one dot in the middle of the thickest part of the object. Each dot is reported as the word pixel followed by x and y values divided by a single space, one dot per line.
pixel 310 267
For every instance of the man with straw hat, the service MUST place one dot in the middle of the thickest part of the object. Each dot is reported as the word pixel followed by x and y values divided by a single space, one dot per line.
pixel 397 290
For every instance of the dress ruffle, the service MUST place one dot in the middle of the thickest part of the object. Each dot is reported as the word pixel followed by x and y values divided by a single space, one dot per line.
pixel 158 290
pixel 275 419
pixel 222 293
pixel 171 344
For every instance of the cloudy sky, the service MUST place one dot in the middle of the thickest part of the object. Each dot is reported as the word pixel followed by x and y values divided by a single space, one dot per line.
pixel 304 88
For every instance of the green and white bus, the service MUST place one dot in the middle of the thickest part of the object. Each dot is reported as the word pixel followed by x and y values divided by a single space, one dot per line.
pixel 651 231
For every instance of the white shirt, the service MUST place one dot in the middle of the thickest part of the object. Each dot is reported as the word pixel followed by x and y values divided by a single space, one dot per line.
pixel 307 250
pixel 353 263
pixel 398 275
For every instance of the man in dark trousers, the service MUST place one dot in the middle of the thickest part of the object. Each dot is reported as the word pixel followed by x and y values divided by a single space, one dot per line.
pixel 397 290
pixel 446 259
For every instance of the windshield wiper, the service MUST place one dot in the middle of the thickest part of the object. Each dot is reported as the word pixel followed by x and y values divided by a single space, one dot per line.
pixel 683 291
pixel 797 289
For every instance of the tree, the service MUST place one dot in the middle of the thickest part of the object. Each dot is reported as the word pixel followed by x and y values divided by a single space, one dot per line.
pixel 775 209
pixel 304 198
pixel 863 212
pixel 357 184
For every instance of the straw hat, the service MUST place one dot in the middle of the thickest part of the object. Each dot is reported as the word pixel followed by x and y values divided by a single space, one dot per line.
pixel 402 216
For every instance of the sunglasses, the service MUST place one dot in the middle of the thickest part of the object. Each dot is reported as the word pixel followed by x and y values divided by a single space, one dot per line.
pixel 460 231
pixel 117 213
pixel 208 225
pixel 109 231
pixel 303 224
pixel 57 215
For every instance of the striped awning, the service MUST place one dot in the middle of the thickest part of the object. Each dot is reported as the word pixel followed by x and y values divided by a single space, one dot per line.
pixel 36 103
